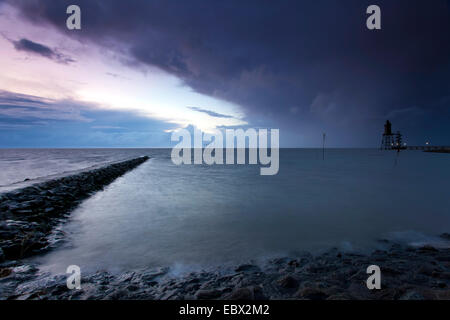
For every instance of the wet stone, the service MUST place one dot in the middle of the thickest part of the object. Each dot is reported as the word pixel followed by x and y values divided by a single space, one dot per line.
pixel 208 294
pixel 39 208
pixel 311 294
pixel 412 295
pixel 4 272
pixel 247 268
pixel 241 294
pixel 288 282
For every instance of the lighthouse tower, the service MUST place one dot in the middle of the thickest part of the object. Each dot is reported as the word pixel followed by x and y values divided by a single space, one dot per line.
pixel 391 141
pixel 387 141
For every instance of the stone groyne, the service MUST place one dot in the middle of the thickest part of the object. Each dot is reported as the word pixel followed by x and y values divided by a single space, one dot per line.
pixel 28 215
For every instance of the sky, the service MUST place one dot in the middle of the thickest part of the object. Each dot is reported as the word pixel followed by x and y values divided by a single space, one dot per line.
pixel 139 70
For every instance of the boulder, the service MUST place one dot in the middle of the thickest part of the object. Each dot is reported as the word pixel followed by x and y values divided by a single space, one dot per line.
pixel 4 272
pixel 247 268
pixel 428 248
pixel 245 293
pixel 288 282
pixel 311 294
pixel 207 294
pixel 412 295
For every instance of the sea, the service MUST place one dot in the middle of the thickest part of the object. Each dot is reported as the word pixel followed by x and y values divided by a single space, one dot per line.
pixel 191 217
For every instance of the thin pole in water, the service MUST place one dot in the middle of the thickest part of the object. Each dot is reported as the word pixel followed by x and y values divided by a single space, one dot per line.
pixel 323 146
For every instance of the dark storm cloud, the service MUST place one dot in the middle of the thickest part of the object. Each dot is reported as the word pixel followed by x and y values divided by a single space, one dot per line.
pixel 40 49
pixel 211 113
pixel 306 66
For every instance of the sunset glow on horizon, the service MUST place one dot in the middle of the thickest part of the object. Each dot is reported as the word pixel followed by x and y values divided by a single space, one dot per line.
pixel 97 79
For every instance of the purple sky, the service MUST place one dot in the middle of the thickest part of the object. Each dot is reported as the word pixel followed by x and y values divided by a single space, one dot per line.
pixel 140 69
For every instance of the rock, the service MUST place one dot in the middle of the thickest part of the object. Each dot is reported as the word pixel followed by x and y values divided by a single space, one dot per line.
pixel 241 294
pixel 442 294
pixel 2 255
pixel 13 251
pixel 258 293
pixel 247 268
pixel 117 295
pixel 132 287
pixel 311 294
pixel 125 277
pixel 208 285
pixel 428 248
pixel 386 294
pixel 341 296
pixel 192 287
pixel 412 295
pixel 279 261
pixel 288 282
pixel 23 211
pixel 169 295
pixel 5 272
pixel 49 210
pixel 412 275
pixel 294 263
pixel 37 208
pixel 443 258
pixel 359 289
pixel 390 271
pixel 441 275
pixel 207 294
pixel 426 270
pixel 419 279
pixel 152 274
pixel 59 289
pixel 9 264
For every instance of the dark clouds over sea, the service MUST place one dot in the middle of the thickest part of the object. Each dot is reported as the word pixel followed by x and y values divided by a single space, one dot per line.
pixel 302 66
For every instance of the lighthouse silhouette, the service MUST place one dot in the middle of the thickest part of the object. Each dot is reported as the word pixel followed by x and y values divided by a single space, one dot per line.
pixel 391 141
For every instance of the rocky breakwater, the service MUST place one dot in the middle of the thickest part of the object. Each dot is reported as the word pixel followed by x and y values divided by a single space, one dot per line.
pixel 28 215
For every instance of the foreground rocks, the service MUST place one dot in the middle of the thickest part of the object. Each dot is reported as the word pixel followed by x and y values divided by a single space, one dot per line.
pixel 406 274
pixel 27 216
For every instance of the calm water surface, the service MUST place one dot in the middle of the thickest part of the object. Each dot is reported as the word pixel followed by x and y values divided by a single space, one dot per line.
pixel 189 216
